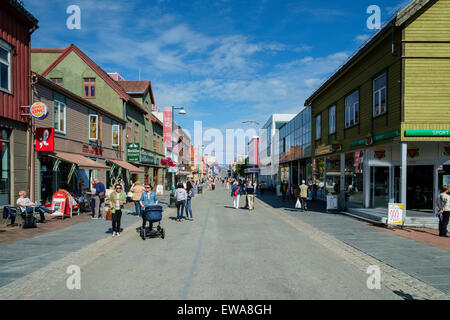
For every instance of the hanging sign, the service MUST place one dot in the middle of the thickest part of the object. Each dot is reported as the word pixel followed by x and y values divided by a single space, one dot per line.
pixel 39 110
pixel 395 214
pixel 134 152
pixel 45 139
pixel 167 128
pixel 446 150
pixel 413 151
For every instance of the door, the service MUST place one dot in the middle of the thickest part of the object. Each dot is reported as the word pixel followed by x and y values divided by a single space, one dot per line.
pixel 379 187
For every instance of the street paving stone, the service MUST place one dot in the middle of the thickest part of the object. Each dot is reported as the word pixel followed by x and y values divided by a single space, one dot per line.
pixel 401 253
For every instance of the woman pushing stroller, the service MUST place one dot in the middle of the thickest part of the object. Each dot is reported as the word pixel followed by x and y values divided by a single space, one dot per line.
pixel 148 198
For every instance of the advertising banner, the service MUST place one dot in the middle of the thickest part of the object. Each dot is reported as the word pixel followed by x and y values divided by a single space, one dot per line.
pixel 196 156
pixel 45 139
pixel 395 214
pixel 167 128
pixel 332 202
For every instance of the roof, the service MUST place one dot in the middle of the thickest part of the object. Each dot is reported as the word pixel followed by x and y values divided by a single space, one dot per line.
pixel 18 5
pixel 138 87
pixel 400 19
pixel 73 96
pixel 113 84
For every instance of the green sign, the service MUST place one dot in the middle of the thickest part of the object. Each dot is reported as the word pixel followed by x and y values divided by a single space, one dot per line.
pixel 427 133
pixel 134 152
pixel 384 136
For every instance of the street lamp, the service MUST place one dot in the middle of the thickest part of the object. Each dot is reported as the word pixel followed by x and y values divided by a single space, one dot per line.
pixel 182 112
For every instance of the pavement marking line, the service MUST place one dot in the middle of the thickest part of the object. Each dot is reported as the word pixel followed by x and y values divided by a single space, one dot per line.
pixel 392 278
pixel 196 258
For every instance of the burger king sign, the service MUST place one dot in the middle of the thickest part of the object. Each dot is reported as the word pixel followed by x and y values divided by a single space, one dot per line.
pixel 39 110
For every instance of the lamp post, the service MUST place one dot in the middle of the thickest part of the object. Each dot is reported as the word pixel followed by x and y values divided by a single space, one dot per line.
pixel 183 112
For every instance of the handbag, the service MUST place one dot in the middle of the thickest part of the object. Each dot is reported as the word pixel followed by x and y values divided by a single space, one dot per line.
pixel 298 205
pixel 130 194
pixel 109 215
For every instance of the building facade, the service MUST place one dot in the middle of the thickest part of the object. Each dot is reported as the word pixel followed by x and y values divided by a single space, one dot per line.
pixel 16 27
pixel 375 135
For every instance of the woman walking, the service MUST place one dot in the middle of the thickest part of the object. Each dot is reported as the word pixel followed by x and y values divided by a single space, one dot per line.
pixel 236 194
pixel 180 197
pixel 444 211
pixel 148 198
pixel 137 189
pixel 190 195
pixel 118 199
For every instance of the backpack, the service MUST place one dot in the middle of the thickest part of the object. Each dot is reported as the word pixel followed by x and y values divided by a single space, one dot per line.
pixel 237 191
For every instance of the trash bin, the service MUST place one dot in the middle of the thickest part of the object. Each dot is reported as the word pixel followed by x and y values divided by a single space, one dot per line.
pixel 172 203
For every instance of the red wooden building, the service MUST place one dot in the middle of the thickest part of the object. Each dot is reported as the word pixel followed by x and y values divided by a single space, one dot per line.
pixel 16 27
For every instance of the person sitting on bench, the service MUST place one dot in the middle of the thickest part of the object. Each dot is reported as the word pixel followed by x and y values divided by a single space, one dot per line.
pixel 26 206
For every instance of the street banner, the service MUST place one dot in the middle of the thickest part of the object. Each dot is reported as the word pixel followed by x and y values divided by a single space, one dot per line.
pixel 196 156
pixel 133 152
pixel 45 139
pixel 332 202
pixel 395 214
pixel 167 128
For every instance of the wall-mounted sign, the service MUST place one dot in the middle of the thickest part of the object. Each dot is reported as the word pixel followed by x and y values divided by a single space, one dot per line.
pixel 446 150
pixel 323 151
pixel 133 152
pixel 39 110
pixel 45 139
pixel 427 133
pixel 413 151
pixel 380 154
pixel 95 150
pixel 371 139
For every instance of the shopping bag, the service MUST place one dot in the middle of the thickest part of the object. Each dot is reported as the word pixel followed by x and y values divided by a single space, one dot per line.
pixel 109 215
pixel 298 205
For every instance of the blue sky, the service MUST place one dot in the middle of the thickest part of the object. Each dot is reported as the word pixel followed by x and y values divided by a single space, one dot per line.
pixel 225 61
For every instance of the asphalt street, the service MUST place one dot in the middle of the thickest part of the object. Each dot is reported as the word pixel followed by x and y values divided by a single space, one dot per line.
pixel 223 254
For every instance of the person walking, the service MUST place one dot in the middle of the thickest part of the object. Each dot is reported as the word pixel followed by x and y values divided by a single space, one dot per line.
pixel 118 199
pixel 251 188
pixel 304 196
pixel 236 194
pixel 284 190
pixel 137 189
pixel 148 198
pixel 180 197
pixel 190 195
pixel 443 211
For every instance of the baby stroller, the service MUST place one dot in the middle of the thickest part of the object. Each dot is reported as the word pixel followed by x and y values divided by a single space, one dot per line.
pixel 152 214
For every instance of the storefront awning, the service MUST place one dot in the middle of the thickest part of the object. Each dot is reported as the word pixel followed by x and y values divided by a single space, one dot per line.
pixel 127 166
pixel 82 162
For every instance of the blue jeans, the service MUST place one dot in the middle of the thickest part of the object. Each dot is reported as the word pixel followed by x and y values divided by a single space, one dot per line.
pixel 180 205
pixel 40 209
pixel 188 208
pixel 137 206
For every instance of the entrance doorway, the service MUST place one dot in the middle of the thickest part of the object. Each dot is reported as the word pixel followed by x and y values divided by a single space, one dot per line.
pixel 420 188
pixel 379 187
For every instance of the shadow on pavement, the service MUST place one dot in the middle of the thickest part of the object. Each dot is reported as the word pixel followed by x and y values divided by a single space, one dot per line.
pixel 289 205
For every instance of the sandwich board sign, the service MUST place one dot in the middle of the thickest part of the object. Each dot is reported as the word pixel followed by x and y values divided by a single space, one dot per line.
pixel 332 202
pixel 395 214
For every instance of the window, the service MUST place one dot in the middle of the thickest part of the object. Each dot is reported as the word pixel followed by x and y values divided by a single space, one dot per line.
pixel 136 133
pixel 58 81
pixel 332 120
pixel 146 139
pixel 93 127
pixel 89 88
pixel 318 127
pixel 129 132
pixel 59 117
pixel 115 135
pixel 379 96
pixel 352 110
pixel 5 66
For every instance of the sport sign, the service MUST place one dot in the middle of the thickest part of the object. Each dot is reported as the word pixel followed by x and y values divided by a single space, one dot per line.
pixel 395 214
pixel 39 110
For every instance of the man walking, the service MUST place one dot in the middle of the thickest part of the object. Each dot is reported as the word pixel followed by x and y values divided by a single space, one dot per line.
pixel 304 195
pixel 99 199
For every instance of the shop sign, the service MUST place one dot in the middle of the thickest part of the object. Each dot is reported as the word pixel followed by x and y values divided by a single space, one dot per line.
pixel 395 214
pixel 427 133
pixel 39 110
pixel 371 139
pixel 167 127
pixel 95 150
pixel 147 159
pixel 335 146
pixel 357 157
pixel 380 154
pixel 447 150
pixel 332 202
pixel 45 139
pixel 413 151
pixel 322 151
pixel 133 152
pixel 173 170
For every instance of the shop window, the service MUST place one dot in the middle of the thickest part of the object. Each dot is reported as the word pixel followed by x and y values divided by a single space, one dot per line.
pixel 59 116
pixel 136 133
pixel 318 127
pixel 352 110
pixel 5 66
pixel 379 96
pixel 89 90
pixel 115 135
pixel 332 120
